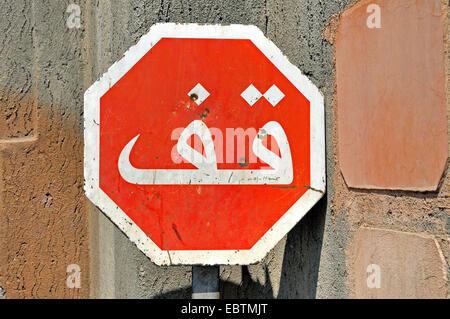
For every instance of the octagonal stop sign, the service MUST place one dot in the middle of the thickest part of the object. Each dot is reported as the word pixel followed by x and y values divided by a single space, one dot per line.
pixel 204 144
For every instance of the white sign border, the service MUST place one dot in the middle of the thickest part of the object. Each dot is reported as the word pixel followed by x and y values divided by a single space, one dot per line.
pixel 92 142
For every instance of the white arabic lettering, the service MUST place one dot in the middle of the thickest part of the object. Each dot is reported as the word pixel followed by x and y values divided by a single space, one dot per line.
pixel 207 173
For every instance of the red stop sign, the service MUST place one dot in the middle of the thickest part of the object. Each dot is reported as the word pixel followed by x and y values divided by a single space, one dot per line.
pixel 204 144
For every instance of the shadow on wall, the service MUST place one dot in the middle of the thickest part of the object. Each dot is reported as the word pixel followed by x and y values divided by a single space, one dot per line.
pixel 2 292
pixel 299 272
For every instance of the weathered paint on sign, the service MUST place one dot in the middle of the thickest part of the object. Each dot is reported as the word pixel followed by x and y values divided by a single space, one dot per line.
pixel 204 144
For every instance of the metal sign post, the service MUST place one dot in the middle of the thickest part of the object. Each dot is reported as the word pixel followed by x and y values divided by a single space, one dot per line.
pixel 205 282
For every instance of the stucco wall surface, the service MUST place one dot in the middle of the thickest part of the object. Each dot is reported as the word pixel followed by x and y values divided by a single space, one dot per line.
pixel 47 224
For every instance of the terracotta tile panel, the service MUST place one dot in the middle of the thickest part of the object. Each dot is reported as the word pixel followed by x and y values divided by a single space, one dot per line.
pixel 393 264
pixel 392 126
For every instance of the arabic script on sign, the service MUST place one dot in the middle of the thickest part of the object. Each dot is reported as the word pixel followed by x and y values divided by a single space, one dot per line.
pixel 280 171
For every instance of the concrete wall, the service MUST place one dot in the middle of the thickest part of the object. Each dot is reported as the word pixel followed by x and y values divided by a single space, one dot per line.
pixel 43 219
pixel 46 223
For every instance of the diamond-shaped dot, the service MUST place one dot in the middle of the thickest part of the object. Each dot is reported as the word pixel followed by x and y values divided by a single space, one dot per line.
pixel 251 95
pixel 274 95
pixel 200 94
